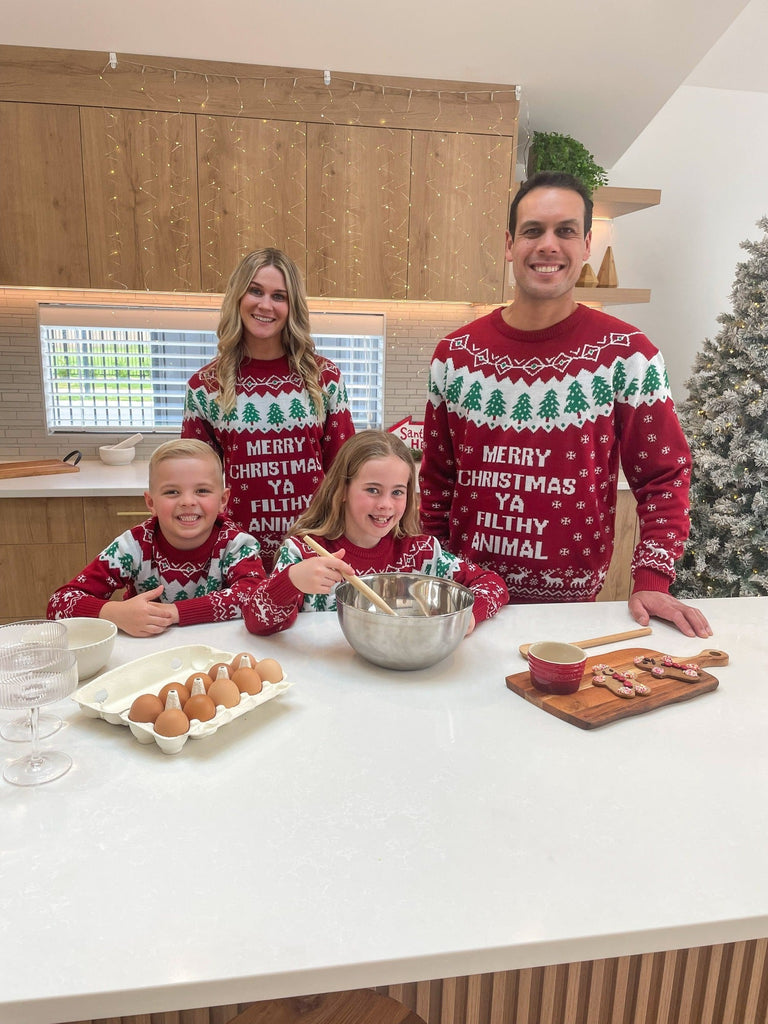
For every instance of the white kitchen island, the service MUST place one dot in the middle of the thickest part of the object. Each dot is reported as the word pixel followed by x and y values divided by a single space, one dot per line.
pixel 372 828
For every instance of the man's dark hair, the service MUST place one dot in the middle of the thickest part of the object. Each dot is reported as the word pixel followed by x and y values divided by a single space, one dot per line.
pixel 552 179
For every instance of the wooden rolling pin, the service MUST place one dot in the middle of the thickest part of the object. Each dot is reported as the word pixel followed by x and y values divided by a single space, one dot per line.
pixel 357 583
pixel 628 634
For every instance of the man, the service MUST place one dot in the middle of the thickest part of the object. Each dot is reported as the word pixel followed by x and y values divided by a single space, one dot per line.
pixel 530 411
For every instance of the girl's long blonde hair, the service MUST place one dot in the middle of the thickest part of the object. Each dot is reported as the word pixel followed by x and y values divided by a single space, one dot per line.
pixel 296 339
pixel 324 516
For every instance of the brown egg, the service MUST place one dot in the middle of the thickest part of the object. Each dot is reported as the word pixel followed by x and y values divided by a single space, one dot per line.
pixel 206 678
pixel 201 707
pixel 247 680
pixel 215 670
pixel 271 671
pixel 171 722
pixel 224 692
pixel 239 662
pixel 180 688
pixel 146 708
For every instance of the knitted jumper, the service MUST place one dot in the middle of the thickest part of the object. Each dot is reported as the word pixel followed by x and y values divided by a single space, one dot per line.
pixel 278 602
pixel 523 435
pixel 207 583
pixel 274 447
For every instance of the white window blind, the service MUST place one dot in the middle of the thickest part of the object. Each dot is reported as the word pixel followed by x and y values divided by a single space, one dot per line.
pixel 113 368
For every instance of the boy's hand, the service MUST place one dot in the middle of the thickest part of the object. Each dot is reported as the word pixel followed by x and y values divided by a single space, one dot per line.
pixel 317 575
pixel 142 615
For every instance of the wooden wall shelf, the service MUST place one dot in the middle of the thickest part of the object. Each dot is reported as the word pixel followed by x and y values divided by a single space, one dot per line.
pixel 612 201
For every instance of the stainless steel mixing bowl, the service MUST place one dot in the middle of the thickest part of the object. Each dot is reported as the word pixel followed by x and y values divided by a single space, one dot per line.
pixel 432 617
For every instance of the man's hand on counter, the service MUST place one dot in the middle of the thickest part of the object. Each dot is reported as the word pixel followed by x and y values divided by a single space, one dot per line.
pixel 646 603
pixel 142 615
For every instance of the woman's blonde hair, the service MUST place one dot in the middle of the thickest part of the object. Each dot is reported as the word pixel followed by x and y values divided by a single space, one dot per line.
pixel 183 448
pixel 325 515
pixel 296 339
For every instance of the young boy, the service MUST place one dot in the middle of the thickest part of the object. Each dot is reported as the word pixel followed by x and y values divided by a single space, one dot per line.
pixel 186 564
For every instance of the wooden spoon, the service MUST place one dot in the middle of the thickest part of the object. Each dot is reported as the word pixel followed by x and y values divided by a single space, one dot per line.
pixel 357 583
pixel 629 634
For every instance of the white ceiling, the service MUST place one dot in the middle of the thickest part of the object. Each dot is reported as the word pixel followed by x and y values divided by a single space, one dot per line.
pixel 596 69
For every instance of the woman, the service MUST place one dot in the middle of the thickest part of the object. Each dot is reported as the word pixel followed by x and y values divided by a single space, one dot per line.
pixel 274 409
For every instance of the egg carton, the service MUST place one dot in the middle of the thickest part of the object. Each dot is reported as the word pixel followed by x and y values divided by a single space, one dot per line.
pixel 110 695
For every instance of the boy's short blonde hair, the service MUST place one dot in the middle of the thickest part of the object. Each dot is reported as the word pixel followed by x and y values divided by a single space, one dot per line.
pixel 183 448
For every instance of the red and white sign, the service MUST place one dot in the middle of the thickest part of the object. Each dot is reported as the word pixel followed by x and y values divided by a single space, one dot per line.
pixel 409 432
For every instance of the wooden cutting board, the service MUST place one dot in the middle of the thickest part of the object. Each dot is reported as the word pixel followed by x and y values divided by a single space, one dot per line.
pixel 592 706
pixel 35 467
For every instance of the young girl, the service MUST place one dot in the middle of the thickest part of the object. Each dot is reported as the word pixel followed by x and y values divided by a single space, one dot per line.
pixel 364 514
pixel 274 410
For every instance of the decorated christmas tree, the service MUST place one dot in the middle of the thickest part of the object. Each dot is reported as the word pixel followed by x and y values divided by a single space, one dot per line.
pixel 725 419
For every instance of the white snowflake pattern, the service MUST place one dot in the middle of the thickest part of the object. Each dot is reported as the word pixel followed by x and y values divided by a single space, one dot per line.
pixel 666 450
pixel 557 504
pixel 648 419
pixel 565 521
pixel 583 472
pixel 651 508
pixel 642 455
pixel 581 504
pixel 577 537
pixel 563 552
pixel 589 520
pixel 570 455
pixel 652 438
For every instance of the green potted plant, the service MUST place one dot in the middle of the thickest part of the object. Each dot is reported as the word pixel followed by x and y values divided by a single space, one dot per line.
pixel 551 151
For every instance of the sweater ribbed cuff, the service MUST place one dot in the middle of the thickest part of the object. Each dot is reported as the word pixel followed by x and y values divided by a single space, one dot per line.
pixel 648 579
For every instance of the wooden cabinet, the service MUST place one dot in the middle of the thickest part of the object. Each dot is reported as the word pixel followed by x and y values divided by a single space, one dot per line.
pixel 358 199
pixel 106 518
pixel 42 212
pixel 460 195
pixel 47 541
pixel 251 183
pixel 42 547
pixel 140 180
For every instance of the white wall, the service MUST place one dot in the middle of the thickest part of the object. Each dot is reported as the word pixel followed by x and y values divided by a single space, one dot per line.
pixel 707 150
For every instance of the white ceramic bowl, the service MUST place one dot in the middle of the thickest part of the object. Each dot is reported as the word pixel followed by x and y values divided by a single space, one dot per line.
pixel 92 641
pixel 116 456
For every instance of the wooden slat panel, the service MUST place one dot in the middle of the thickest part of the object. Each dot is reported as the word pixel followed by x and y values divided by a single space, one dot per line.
pixel 460 195
pixel 42 212
pixel 618 582
pixel 140 177
pixel 252 178
pixel 292 94
pixel 358 182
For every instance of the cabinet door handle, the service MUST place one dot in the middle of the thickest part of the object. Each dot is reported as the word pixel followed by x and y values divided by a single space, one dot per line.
pixel 143 513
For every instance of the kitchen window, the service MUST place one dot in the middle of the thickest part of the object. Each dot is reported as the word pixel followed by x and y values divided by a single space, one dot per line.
pixel 118 368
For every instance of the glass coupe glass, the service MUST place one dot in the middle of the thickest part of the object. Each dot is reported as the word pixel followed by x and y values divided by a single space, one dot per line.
pixel 32 631
pixel 30 677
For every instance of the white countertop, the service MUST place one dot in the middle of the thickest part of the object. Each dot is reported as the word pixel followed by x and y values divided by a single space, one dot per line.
pixel 93 479
pixel 370 827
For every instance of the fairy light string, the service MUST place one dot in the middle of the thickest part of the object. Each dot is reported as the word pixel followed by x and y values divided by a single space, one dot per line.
pixel 250 175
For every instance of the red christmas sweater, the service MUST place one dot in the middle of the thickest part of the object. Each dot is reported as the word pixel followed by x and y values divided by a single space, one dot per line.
pixel 277 603
pixel 523 436
pixel 274 447
pixel 207 583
